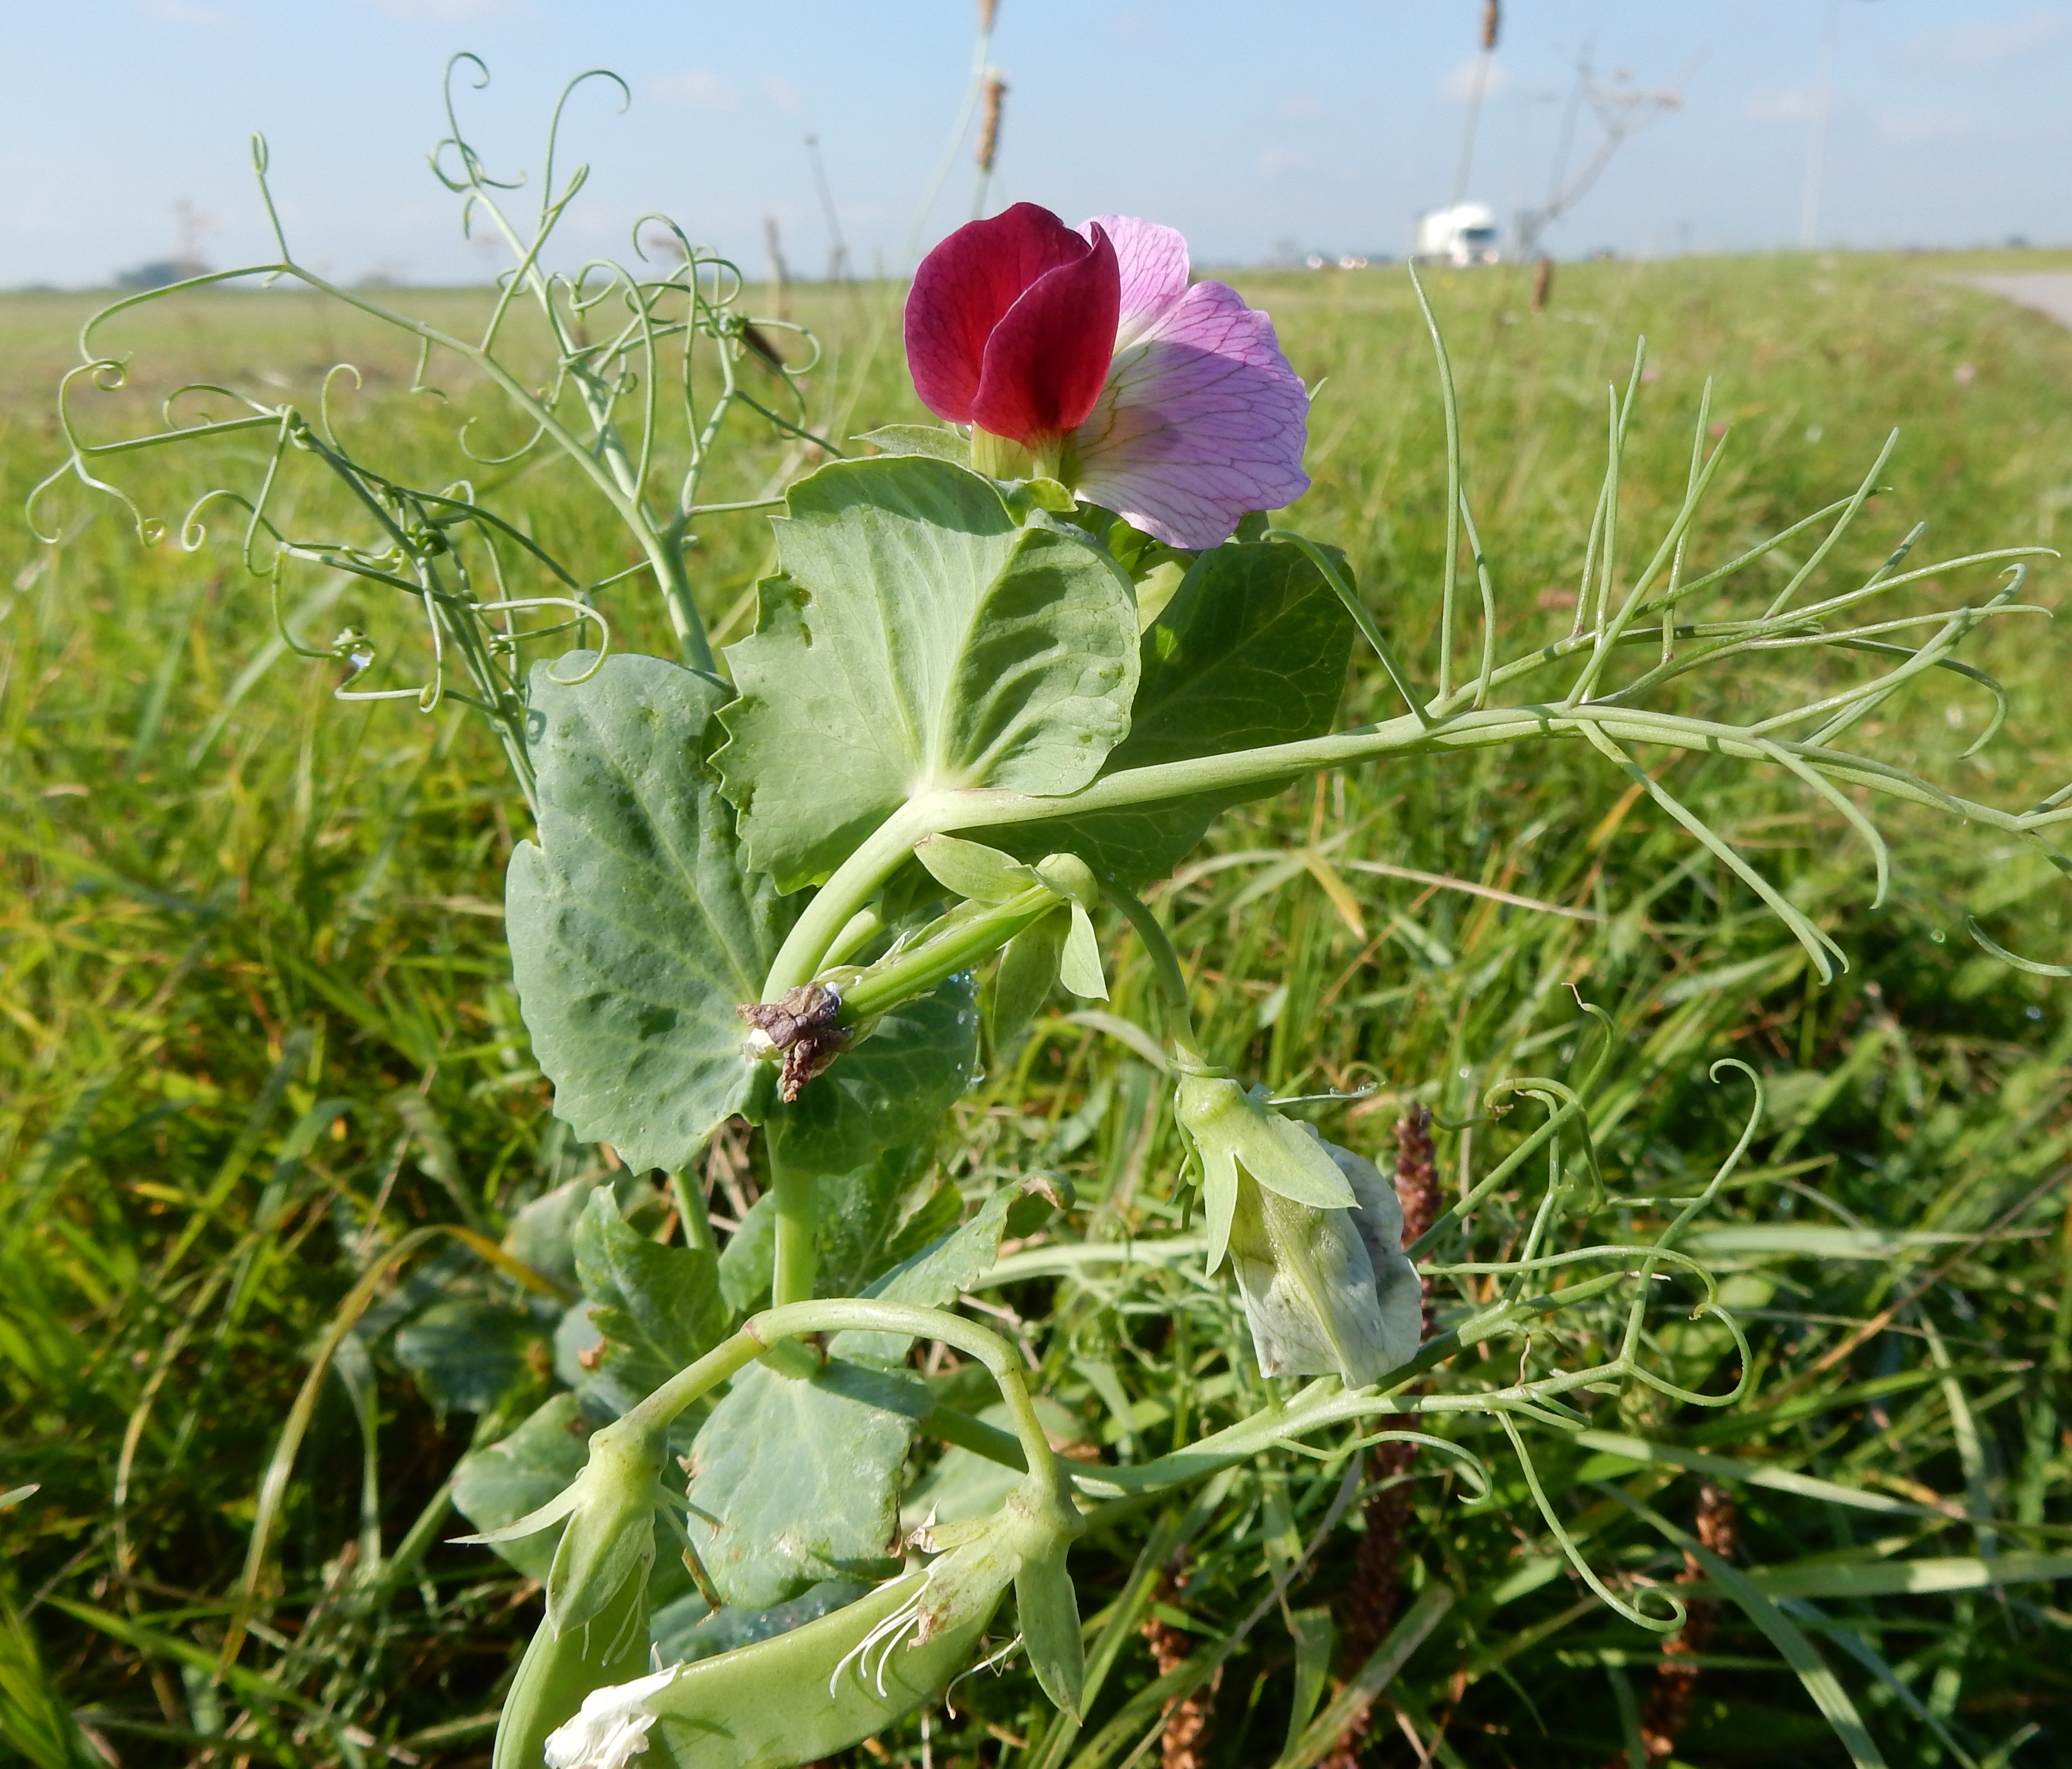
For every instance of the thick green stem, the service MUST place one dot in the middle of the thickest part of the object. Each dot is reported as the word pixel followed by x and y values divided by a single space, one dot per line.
pixel 966 936
pixel 798 1224
pixel 854 882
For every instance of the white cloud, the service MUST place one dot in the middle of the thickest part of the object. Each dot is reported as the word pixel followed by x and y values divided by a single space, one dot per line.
pixel 696 89
pixel 1981 45
pixel 1786 104
pixel 1458 82
pixel 1930 123
pixel 785 97
pixel 190 13
pixel 1299 108
pixel 1278 162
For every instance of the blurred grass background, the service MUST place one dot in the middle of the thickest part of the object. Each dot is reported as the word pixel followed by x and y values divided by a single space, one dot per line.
pixel 256 1026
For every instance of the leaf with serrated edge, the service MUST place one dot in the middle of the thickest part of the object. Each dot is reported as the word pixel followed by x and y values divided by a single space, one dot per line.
pixel 658 1306
pixel 917 638
pixel 634 929
pixel 941 1272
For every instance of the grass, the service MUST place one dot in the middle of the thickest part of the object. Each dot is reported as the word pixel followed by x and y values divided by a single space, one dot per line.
pixel 256 1029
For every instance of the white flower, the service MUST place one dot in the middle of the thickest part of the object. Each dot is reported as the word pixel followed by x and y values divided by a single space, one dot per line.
pixel 612 1726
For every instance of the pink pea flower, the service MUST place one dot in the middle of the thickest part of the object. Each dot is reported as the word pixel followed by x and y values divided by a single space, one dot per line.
pixel 1086 355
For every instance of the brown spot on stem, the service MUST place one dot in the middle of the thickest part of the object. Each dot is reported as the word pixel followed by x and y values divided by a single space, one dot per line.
pixel 800 1023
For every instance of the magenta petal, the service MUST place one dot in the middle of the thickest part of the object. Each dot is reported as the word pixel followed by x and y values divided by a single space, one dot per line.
pixel 1201 421
pixel 1048 358
pixel 963 287
pixel 1152 262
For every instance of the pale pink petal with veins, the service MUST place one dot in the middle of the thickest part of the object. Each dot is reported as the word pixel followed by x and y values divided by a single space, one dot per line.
pixel 1153 263
pixel 1201 419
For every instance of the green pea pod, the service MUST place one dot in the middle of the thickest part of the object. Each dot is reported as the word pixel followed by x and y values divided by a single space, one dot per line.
pixel 819 1689
pixel 558 1670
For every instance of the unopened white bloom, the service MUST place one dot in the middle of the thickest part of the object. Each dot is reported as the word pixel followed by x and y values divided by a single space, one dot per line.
pixel 612 1726
pixel 1328 1290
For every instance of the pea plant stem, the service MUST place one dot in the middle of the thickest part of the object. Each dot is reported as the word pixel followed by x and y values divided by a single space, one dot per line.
pixel 796 1192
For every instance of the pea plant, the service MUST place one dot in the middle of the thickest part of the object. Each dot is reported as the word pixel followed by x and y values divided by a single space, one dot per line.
pixel 796 896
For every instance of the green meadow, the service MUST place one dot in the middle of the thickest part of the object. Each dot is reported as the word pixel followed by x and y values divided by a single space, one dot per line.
pixel 257 1036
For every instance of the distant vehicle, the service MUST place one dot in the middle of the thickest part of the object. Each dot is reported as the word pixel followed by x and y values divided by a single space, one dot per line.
pixel 1463 235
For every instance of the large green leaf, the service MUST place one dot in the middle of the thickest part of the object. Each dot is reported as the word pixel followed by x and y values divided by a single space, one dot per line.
pixel 917 637
pixel 1250 650
pixel 633 930
pixel 659 1307
pixel 795 1480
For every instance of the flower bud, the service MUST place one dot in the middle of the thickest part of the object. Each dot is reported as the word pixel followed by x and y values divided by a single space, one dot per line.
pixel 610 1535
pixel 1327 1290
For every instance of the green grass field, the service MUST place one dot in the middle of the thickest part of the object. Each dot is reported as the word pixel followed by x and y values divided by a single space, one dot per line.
pixel 256 1028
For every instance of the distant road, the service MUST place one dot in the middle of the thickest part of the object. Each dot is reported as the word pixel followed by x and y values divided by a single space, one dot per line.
pixel 2048 291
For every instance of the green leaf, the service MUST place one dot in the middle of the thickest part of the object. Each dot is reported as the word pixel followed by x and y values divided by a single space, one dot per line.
pixel 750 1258
pixel 972 869
pixel 469 1354
pixel 542 1233
pixel 871 1222
pixel 499 1485
pixel 1028 971
pixel 1252 650
pixel 634 931
pixel 660 1308
pixel 917 638
pixel 889 1092
pixel 796 1480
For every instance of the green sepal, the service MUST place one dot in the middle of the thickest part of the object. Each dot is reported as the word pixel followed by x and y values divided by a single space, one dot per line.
pixel 1047 1606
pixel 936 441
pixel 1028 972
pixel 1229 1127
pixel 1079 964
pixel 610 1537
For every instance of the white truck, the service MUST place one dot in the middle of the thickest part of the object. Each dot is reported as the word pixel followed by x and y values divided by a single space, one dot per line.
pixel 1462 235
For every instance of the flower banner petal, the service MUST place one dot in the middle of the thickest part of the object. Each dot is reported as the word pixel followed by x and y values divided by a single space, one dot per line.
pixel 1201 421
pixel 1047 359
pixel 962 290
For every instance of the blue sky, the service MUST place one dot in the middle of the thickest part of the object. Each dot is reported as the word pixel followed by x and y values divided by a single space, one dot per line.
pixel 1317 125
